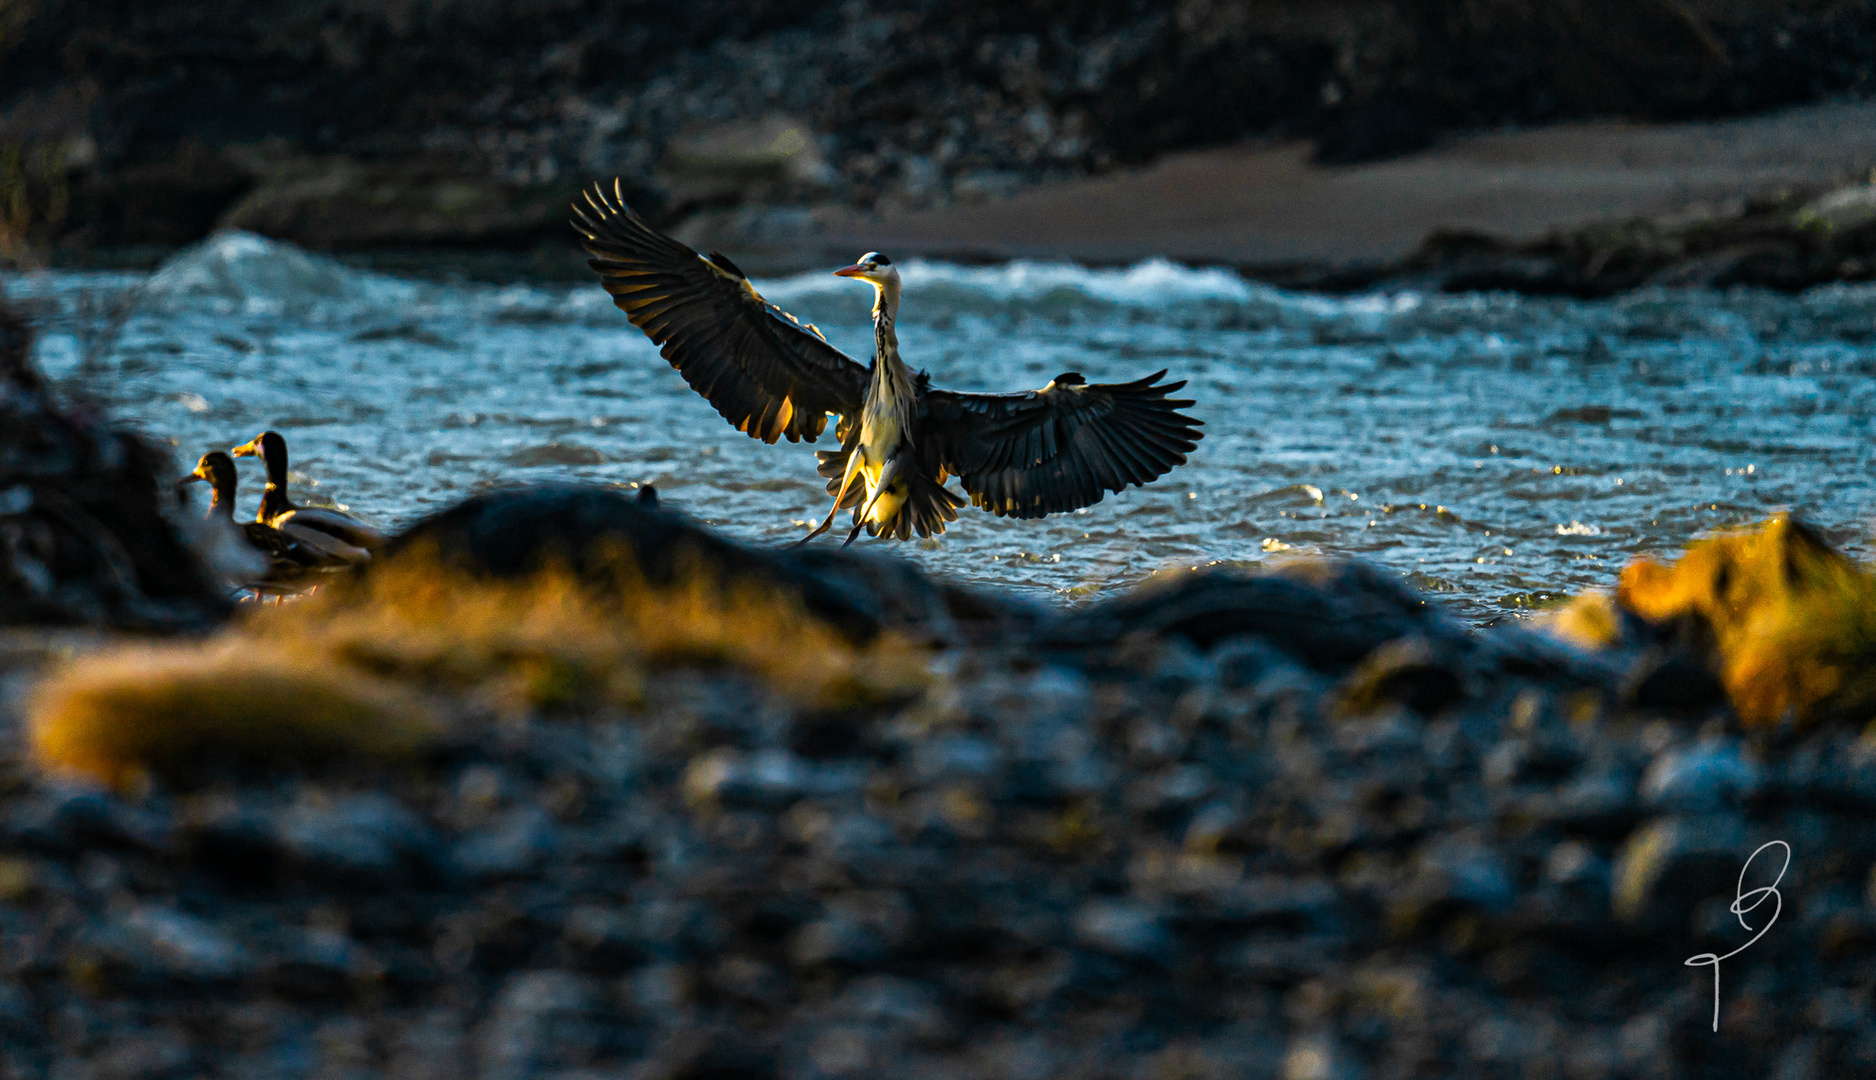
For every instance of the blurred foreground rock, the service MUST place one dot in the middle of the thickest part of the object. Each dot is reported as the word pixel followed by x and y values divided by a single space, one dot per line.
pixel 1296 824
pixel 85 537
pixel 1773 616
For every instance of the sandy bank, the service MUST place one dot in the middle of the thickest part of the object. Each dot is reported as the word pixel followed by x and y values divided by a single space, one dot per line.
pixel 1265 203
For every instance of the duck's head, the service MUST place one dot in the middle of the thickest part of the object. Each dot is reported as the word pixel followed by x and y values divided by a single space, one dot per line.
pixel 878 271
pixel 215 469
pixel 268 446
pixel 272 450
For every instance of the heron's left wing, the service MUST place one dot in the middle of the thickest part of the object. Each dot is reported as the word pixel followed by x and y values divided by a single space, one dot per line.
pixel 1059 448
pixel 762 369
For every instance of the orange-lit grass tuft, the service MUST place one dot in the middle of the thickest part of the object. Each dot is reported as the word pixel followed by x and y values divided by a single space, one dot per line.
pixel 349 670
pixel 115 715
pixel 1589 620
pixel 554 639
pixel 1792 620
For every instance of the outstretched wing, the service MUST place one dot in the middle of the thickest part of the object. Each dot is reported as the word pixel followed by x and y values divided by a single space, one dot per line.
pixel 764 371
pixel 1058 448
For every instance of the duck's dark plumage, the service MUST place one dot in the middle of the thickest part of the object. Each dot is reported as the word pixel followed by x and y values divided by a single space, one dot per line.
pixel 292 564
pixel 335 533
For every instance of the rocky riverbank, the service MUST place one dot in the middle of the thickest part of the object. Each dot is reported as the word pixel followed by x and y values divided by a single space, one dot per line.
pixel 471 124
pixel 1289 825
pixel 569 787
pixel 1788 240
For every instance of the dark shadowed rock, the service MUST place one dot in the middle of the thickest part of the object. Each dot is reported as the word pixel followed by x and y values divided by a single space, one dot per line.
pixel 424 127
pixel 86 537
pixel 1328 614
pixel 587 529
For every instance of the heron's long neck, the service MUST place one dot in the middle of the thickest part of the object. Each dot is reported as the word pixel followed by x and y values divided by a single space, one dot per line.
pixel 892 392
pixel 890 375
pixel 884 338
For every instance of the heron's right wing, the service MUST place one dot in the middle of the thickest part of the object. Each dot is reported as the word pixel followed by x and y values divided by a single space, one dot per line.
pixel 761 368
pixel 1063 447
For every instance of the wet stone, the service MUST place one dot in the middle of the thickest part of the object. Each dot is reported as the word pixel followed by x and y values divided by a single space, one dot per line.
pixel 368 837
pixel 511 844
pixel 160 942
pixel 1710 775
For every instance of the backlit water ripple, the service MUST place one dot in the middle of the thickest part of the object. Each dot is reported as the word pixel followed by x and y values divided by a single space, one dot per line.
pixel 1498 450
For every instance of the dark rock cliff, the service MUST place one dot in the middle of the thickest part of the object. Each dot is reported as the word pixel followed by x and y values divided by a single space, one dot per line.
pixel 469 121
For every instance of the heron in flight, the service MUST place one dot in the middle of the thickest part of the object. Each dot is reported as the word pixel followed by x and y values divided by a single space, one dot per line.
pixel 1024 455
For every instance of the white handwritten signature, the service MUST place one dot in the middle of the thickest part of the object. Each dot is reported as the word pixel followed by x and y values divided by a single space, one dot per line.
pixel 1740 908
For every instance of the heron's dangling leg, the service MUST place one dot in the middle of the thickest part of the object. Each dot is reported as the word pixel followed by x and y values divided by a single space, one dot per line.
pixel 846 478
pixel 887 473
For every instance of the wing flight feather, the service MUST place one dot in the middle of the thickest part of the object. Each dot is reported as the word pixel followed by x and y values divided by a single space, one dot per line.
pixel 763 371
pixel 1060 448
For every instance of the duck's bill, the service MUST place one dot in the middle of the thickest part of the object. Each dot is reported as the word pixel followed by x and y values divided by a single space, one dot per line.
pixel 192 478
pixel 251 448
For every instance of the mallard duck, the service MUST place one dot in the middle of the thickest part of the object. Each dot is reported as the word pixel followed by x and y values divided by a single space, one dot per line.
pixel 291 564
pixel 327 530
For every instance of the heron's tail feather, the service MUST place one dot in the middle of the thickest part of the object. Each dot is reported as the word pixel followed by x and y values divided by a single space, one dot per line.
pixel 927 508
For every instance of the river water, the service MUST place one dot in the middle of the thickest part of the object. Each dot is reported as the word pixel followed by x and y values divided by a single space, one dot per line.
pixel 1497 450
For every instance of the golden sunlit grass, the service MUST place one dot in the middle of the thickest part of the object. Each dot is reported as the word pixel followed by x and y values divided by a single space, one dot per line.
pixel 1590 620
pixel 351 666
pixel 554 640
pixel 114 715
pixel 1793 621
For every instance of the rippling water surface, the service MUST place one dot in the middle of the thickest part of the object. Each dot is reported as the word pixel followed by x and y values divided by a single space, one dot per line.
pixel 1499 450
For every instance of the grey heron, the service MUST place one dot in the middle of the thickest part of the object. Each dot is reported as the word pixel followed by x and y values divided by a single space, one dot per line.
pixel 1023 455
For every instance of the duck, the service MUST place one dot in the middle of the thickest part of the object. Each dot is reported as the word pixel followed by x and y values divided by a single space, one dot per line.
pixel 327 530
pixel 290 563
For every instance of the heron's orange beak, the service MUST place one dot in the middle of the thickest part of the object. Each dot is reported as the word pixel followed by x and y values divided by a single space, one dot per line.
pixel 849 271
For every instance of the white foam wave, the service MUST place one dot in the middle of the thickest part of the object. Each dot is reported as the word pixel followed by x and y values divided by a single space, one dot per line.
pixel 241 272
pixel 1151 284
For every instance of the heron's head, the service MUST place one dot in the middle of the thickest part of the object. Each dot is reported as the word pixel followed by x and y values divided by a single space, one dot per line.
pixel 878 271
pixel 872 267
